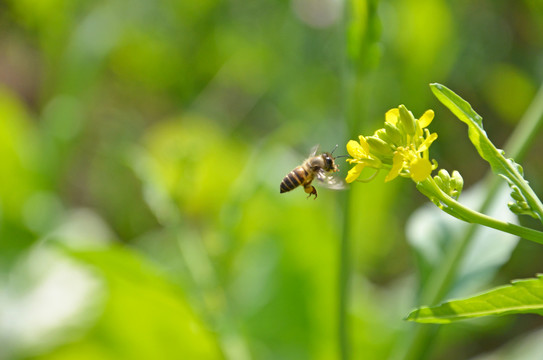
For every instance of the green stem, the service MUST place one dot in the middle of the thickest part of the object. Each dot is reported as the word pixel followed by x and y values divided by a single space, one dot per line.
pixel 348 79
pixel 464 213
pixel 358 19
pixel 527 129
pixel 344 281
pixel 354 108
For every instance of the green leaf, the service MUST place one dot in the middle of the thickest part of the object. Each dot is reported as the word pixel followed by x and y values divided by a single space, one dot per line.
pixel 500 165
pixel 521 297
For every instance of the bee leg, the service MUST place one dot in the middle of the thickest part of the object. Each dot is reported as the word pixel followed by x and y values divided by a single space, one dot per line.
pixel 310 189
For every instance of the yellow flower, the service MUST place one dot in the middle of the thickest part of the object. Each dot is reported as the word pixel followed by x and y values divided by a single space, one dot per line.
pixel 412 162
pixel 406 141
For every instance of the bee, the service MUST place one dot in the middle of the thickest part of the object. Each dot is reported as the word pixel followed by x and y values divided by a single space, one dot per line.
pixel 316 166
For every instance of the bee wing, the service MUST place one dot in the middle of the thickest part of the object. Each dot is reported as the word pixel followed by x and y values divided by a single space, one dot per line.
pixel 330 181
pixel 314 150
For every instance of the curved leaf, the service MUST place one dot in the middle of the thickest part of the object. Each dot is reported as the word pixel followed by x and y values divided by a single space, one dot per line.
pixel 521 297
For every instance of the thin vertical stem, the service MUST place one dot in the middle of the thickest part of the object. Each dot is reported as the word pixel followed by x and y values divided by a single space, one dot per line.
pixel 344 281
pixel 527 129
pixel 359 39
pixel 344 246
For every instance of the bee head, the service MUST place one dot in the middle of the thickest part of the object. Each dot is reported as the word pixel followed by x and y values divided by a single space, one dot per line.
pixel 328 161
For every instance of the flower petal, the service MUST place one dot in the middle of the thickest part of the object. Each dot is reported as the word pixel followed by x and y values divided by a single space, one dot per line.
pixel 354 173
pixel 364 144
pixel 397 166
pixel 426 119
pixel 420 169
pixel 427 142
pixel 392 116
pixel 356 150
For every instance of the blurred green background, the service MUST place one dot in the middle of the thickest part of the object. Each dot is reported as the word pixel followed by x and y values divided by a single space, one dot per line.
pixel 142 144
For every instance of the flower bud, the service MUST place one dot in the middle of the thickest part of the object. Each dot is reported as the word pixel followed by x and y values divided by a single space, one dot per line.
pixel 382 134
pixel 521 209
pixel 393 133
pixel 515 194
pixel 457 183
pixel 378 146
pixel 408 120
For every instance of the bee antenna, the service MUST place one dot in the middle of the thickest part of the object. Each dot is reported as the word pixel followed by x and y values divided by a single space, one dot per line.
pixel 341 156
pixel 331 152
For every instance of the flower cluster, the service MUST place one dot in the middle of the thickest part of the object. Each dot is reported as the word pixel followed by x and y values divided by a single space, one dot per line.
pixel 401 147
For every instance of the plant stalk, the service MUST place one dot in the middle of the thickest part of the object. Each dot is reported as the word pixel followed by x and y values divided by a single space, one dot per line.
pixel 464 213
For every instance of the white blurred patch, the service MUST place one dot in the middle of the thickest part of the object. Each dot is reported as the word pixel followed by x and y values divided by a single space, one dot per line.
pixel 83 228
pixel 526 346
pixel 45 301
pixel 318 13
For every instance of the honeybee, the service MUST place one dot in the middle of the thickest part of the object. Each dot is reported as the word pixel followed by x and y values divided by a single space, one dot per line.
pixel 316 166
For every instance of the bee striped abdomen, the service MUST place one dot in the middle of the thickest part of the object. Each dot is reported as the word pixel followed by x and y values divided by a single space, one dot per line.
pixel 294 178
